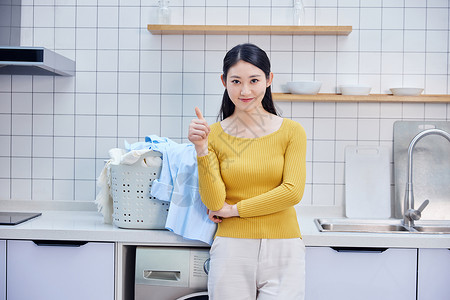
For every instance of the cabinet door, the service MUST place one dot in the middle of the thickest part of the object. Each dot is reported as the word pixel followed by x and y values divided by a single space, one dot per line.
pixel 434 274
pixel 360 273
pixel 59 270
pixel 2 270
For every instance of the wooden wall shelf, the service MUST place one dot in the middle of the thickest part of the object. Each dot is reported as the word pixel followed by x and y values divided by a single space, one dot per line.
pixel 385 98
pixel 248 29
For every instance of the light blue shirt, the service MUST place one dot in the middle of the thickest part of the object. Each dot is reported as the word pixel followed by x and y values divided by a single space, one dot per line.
pixel 178 183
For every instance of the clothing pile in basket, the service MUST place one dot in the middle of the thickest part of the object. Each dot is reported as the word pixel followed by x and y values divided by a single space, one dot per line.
pixel 177 184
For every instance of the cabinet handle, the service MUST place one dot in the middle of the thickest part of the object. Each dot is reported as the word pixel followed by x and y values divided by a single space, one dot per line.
pixel 59 243
pixel 359 249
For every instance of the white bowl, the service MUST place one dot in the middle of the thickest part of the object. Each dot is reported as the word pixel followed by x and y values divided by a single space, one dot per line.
pixel 304 87
pixel 355 89
pixel 406 91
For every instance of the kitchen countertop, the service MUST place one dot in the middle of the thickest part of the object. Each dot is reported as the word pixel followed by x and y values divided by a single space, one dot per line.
pixel 82 222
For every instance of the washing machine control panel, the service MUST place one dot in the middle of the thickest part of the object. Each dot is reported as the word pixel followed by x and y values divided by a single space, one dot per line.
pixel 199 267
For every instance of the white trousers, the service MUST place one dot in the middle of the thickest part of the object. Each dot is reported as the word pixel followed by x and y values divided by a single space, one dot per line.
pixel 263 269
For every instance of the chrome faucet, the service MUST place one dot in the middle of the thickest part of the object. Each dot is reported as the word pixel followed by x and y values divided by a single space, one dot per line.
pixel 410 214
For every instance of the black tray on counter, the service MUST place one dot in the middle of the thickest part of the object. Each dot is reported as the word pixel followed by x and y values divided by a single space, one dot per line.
pixel 14 218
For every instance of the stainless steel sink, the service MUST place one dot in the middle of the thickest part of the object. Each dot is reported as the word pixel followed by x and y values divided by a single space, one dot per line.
pixel 438 227
pixel 432 229
pixel 360 225
pixel 363 228
pixel 379 226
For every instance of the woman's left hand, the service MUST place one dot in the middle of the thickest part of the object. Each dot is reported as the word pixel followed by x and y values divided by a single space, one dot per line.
pixel 227 211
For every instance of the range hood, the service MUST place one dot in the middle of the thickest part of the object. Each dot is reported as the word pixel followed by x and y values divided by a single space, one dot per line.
pixel 34 61
pixel 16 59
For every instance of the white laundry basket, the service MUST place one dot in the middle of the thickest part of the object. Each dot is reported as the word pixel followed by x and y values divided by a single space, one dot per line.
pixel 134 206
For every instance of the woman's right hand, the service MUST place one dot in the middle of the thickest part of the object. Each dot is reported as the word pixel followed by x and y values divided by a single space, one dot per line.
pixel 198 133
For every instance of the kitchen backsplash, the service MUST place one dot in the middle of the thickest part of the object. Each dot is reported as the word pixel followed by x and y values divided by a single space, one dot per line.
pixel 55 132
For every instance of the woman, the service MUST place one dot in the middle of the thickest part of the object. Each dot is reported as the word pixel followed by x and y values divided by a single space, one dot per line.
pixel 251 174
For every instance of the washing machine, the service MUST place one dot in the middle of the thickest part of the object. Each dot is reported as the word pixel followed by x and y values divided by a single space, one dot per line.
pixel 171 273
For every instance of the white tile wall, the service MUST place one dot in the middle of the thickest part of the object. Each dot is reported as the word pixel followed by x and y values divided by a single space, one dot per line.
pixel 55 132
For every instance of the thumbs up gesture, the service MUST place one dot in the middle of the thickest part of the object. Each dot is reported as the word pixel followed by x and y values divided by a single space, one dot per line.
pixel 198 133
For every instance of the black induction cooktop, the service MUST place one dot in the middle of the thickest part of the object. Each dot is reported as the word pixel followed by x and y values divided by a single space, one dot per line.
pixel 14 218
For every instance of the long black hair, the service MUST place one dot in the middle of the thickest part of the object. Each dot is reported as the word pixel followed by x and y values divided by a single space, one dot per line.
pixel 256 56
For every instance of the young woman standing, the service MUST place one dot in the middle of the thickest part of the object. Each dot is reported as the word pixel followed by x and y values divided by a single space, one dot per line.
pixel 251 168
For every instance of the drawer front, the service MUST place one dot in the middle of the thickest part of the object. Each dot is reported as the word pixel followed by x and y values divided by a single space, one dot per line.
pixel 360 273
pixel 434 274
pixel 2 270
pixel 60 270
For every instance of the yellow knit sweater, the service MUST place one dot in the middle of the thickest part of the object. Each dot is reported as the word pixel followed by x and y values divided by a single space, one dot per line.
pixel 265 176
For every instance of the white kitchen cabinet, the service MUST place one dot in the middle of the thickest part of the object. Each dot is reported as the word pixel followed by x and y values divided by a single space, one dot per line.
pixel 360 273
pixel 434 274
pixel 60 270
pixel 2 270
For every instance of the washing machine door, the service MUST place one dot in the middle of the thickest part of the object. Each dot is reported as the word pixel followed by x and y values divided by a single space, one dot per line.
pixel 195 296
